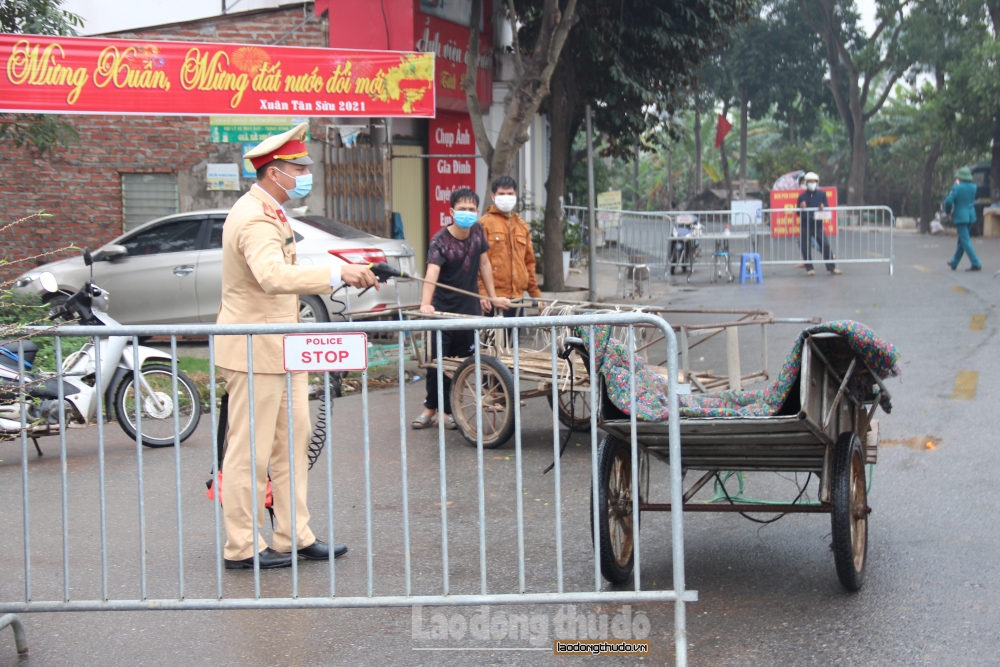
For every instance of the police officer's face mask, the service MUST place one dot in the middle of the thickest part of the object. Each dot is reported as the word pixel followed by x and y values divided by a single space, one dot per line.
pixel 303 185
pixel 811 186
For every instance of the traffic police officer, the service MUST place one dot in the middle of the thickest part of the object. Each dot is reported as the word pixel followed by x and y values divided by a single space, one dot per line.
pixel 260 284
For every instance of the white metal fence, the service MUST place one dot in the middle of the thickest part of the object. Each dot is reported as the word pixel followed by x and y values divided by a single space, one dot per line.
pixel 667 241
pixel 121 553
pixel 655 239
pixel 853 235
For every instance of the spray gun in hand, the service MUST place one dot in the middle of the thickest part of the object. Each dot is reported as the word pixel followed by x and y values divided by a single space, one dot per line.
pixel 385 271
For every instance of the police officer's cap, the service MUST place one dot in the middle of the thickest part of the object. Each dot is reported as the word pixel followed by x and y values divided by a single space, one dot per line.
pixel 288 146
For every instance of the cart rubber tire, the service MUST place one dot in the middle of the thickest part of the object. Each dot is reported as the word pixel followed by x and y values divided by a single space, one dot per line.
pixel 579 422
pixel 501 391
pixel 614 475
pixel 184 384
pixel 848 495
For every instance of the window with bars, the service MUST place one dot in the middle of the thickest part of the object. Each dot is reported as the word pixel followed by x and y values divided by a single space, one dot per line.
pixel 146 197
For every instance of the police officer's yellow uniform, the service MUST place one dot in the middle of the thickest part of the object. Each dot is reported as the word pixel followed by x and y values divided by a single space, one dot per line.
pixel 260 284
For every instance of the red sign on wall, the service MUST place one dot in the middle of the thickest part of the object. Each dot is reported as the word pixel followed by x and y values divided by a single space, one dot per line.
pixel 449 41
pixel 125 76
pixel 787 224
pixel 450 134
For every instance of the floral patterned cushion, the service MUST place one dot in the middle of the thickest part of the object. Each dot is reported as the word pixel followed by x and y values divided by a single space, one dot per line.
pixel 651 388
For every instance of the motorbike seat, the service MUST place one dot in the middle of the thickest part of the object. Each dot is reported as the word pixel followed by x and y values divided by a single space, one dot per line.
pixel 8 355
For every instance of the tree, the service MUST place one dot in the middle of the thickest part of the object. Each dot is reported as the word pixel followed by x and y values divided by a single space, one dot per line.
pixel 770 68
pixel 776 67
pixel 40 132
pixel 986 83
pixel 633 62
pixel 940 37
pixel 532 75
pixel 863 69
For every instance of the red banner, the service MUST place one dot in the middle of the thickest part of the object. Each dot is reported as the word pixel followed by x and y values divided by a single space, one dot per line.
pixel 124 76
pixel 787 224
pixel 450 134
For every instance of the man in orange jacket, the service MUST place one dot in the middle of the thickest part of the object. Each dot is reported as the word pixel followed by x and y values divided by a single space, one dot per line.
pixel 511 252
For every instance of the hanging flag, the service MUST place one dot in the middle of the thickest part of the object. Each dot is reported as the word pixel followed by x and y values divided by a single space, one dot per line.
pixel 721 130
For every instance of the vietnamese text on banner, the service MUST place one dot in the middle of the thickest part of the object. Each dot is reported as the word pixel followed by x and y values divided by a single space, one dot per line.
pixel 123 76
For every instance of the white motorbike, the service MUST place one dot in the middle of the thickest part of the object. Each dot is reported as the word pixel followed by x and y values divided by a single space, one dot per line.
pixel 79 380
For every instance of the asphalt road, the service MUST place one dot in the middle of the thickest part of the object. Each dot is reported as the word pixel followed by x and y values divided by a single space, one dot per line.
pixel 768 595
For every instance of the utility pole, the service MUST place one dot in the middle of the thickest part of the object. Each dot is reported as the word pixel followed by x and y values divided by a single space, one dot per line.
pixel 591 221
pixel 635 177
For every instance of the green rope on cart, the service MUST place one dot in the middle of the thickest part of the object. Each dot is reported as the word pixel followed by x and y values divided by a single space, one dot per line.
pixel 718 495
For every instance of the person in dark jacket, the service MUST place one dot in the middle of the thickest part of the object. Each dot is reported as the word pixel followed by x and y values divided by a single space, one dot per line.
pixel 811 229
pixel 960 203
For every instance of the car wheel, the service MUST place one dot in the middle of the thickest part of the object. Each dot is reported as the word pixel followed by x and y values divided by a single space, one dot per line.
pixel 312 309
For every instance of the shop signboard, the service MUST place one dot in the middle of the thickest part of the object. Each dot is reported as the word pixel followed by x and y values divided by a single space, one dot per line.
pixel 451 135
pixel 442 28
pixel 241 129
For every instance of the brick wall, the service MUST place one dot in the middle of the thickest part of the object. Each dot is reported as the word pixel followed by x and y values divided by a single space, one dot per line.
pixel 81 186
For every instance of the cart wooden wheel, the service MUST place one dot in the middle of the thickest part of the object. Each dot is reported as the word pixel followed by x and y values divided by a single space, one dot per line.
pixel 580 400
pixel 614 507
pixel 498 400
pixel 849 497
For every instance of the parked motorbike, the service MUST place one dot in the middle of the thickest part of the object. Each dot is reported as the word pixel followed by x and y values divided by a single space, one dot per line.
pixel 79 380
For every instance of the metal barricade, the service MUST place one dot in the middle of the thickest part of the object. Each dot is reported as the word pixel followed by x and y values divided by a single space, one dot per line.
pixel 640 243
pixel 195 548
pixel 854 235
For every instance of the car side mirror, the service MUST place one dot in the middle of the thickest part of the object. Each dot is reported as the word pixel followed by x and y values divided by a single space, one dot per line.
pixel 110 253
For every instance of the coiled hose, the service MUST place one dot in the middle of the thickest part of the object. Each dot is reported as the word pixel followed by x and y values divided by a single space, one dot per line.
pixel 318 440
pixel 316 443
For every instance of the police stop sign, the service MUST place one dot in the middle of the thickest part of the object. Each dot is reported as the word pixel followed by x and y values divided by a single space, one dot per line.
pixel 326 352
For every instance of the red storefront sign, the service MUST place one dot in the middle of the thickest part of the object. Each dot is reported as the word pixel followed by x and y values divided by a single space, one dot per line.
pixel 787 224
pixel 450 134
pixel 120 76
pixel 449 41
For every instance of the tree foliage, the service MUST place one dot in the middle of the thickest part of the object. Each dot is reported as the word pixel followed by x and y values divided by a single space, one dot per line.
pixel 863 68
pixel 39 132
pixel 532 73
pixel 633 63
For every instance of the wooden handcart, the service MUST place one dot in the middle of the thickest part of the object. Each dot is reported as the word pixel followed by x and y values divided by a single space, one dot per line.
pixel 821 429
pixel 572 377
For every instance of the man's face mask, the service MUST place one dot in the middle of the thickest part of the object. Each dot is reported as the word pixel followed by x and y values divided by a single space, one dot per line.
pixel 505 203
pixel 465 219
pixel 303 185
pixel 811 186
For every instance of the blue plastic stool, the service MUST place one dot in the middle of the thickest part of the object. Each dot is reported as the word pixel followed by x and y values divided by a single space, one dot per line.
pixel 754 271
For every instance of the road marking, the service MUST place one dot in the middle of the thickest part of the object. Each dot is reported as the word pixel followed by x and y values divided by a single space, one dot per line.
pixel 921 268
pixel 960 289
pixel 978 322
pixel 966 383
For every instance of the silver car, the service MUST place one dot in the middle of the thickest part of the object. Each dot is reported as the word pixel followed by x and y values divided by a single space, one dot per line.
pixel 170 270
